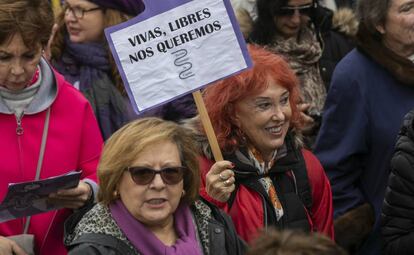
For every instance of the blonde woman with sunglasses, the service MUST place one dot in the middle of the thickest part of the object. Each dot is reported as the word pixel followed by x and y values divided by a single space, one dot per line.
pixel 148 199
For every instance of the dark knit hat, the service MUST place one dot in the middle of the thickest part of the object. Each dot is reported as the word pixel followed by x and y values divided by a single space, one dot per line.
pixel 130 7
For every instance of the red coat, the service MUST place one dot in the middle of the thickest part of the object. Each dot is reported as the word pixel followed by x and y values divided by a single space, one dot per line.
pixel 247 210
pixel 73 143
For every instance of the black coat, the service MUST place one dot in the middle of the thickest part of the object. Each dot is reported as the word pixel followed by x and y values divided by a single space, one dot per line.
pixel 398 209
pixel 217 237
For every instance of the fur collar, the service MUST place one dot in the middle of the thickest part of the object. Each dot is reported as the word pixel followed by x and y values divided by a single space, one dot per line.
pixel 402 69
pixel 345 21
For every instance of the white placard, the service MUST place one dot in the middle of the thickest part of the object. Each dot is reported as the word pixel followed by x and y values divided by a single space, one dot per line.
pixel 177 51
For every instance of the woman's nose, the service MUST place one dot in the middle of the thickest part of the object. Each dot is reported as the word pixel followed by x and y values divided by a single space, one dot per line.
pixel 17 68
pixel 278 114
pixel 157 182
pixel 295 18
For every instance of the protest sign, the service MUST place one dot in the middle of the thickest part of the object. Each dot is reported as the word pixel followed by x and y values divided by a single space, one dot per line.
pixel 176 47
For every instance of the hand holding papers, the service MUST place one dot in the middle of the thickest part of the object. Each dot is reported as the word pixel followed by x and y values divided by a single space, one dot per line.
pixel 29 198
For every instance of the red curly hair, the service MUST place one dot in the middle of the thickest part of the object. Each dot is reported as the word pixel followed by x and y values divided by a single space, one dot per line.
pixel 221 97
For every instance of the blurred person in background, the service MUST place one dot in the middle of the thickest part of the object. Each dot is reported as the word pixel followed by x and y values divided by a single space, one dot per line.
pixel 80 52
pixel 293 242
pixel 372 89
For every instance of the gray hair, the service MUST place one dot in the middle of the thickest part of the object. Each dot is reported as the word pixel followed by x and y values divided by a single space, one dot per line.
pixel 372 13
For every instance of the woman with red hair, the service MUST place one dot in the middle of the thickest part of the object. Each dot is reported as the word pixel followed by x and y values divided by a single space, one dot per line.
pixel 267 178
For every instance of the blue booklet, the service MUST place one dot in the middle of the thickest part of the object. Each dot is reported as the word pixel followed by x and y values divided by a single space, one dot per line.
pixel 29 198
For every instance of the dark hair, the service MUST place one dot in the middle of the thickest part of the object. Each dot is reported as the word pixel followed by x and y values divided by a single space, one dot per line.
pixel 372 13
pixel 32 19
pixel 293 242
pixel 264 27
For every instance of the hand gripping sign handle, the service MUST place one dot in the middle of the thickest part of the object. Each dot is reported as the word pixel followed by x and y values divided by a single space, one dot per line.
pixel 205 120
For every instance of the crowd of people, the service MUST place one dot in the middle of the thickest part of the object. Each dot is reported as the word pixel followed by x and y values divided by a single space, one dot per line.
pixel 317 137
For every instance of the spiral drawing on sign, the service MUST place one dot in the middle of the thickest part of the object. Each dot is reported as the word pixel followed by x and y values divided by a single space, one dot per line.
pixel 182 61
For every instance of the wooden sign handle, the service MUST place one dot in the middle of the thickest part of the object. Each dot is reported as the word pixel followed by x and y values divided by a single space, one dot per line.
pixel 205 120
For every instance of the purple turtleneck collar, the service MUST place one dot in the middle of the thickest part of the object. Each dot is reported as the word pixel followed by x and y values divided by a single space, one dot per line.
pixel 147 243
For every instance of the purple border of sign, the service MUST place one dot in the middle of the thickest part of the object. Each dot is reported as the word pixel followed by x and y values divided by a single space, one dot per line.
pixel 156 7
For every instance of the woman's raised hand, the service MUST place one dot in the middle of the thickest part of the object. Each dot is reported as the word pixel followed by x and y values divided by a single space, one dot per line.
pixel 220 181
pixel 307 120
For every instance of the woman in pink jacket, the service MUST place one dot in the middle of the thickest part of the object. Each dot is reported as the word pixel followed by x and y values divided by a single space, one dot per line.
pixel 46 126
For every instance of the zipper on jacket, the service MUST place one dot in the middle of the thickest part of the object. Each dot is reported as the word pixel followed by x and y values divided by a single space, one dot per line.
pixel 264 212
pixel 308 212
pixel 294 182
pixel 19 133
pixel 264 204
pixel 19 128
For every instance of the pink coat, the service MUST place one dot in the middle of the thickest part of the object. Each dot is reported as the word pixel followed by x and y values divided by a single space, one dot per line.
pixel 74 142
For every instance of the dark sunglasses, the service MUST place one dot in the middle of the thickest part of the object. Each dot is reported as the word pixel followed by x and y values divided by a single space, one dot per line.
pixel 144 175
pixel 290 10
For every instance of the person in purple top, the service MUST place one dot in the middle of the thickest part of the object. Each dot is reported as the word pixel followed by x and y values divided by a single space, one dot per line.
pixel 148 199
